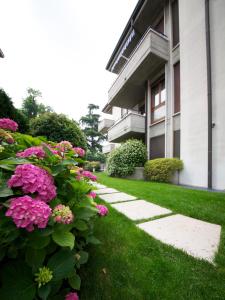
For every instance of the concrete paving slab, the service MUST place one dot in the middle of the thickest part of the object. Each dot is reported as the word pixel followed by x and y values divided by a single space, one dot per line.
pixel 106 191
pixel 140 209
pixel 198 238
pixel 98 185
pixel 117 197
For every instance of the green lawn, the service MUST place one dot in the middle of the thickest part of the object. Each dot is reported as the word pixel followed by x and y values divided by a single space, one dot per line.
pixel 130 265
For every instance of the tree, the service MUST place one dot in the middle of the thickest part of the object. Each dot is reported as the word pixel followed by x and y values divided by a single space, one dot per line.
pixel 9 111
pixel 57 127
pixel 90 128
pixel 31 108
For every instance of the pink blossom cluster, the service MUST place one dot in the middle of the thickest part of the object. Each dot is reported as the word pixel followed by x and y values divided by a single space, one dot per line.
pixel 79 151
pixel 9 124
pixel 32 151
pixel 102 210
pixel 33 179
pixel 62 214
pixel 27 212
pixel 72 296
pixel 92 195
pixel 64 146
pixel 89 175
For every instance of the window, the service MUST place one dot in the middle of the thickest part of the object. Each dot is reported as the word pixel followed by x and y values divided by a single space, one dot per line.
pixel 160 26
pixel 175 22
pixel 158 100
pixel 157 147
pixel 176 144
pixel 176 72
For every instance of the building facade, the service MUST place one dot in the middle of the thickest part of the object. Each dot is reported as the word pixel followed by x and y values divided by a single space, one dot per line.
pixel 171 85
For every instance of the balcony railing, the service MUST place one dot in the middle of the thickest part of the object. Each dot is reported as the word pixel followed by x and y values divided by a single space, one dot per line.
pixel 131 125
pixel 104 125
pixel 149 56
pixel 108 148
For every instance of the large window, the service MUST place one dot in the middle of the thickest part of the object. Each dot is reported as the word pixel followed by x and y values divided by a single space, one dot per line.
pixel 158 100
pixel 175 22
pixel 176 71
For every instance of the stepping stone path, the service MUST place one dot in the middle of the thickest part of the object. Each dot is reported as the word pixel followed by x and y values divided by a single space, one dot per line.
pixel 140 209
pixel 106 191
pixel 197 238
pixel 117 197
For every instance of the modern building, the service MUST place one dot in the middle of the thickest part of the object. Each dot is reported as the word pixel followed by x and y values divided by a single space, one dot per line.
pixel 170 86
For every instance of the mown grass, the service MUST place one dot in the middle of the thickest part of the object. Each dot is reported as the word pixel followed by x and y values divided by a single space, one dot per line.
pixel 131 265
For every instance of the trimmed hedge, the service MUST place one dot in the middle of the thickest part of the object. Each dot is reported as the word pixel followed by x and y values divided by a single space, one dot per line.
pixel 162 169
pixel 123 160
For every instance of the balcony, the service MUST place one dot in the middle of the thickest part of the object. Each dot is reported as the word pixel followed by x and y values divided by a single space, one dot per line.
pixel 130 126
pixel 148 57
pixel 108 148
pixel 104 125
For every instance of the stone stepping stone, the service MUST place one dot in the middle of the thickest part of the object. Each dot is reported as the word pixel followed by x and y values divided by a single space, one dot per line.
pixel 98 185
pixel 198 238
pixel 106 191
pixel 140 209
pixel 117 197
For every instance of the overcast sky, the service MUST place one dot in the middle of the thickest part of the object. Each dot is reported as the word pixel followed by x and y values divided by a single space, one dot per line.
pixel 60 47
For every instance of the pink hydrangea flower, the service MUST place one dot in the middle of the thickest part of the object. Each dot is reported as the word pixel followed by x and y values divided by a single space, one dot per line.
pixel 62 214
pixel 10 140
pixel 102 210
pixel 36 151
pixel 27 212
pixel 33 179
pixel 72 296
pixel 9 124
pixel 92 194
pixel 79 151
pixel 89 175
pixel 64 146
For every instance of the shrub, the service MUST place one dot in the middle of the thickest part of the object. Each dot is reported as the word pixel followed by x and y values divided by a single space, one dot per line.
pixel 57 128
pixel 47 213
pixel 95 156
pixel 162 169
pixel 123 160
pixel 92 166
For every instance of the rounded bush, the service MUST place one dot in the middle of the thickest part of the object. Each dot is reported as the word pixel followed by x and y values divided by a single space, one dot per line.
pixel 123 160
pixel 57 128
pixel 92 166
pixel 162 169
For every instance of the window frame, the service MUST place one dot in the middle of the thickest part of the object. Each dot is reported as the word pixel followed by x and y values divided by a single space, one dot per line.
pixel 176 87
pixel 158 84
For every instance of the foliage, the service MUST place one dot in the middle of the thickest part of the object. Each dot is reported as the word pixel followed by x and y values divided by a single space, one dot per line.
pixel 57 127
pixel 9 111
pixel 92 166
pixel 162 169
pixel 43 235
pixel 90 123
pixel 96 156
pixel 122 160
pixel 31 108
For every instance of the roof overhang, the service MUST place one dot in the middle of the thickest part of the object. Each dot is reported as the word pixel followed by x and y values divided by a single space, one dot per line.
pixel 107 109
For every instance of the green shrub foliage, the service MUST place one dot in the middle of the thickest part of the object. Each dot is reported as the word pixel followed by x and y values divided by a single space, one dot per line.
pixel 43 243
pixel 92 166
pixel 56 128
pixel 123 160
pixel 162 169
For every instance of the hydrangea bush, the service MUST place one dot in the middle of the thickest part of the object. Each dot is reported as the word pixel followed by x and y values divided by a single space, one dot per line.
pixel 47 213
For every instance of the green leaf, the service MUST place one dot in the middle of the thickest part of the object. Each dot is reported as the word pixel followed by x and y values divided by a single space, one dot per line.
pixel 64 238
pixel 17 282
pixel 38 242
pixel 5 191
pixel 93 240
pixel 62 264
pixel 81 225
pixel 14 161
pixel 35 257
pixel 44 291
pixel 83 257
pixel 75 281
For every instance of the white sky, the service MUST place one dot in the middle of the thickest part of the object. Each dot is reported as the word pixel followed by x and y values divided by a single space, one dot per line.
pixel 60 47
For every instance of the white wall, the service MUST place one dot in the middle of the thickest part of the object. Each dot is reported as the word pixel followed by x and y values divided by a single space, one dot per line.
pixel 194 115
pixel 217 31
